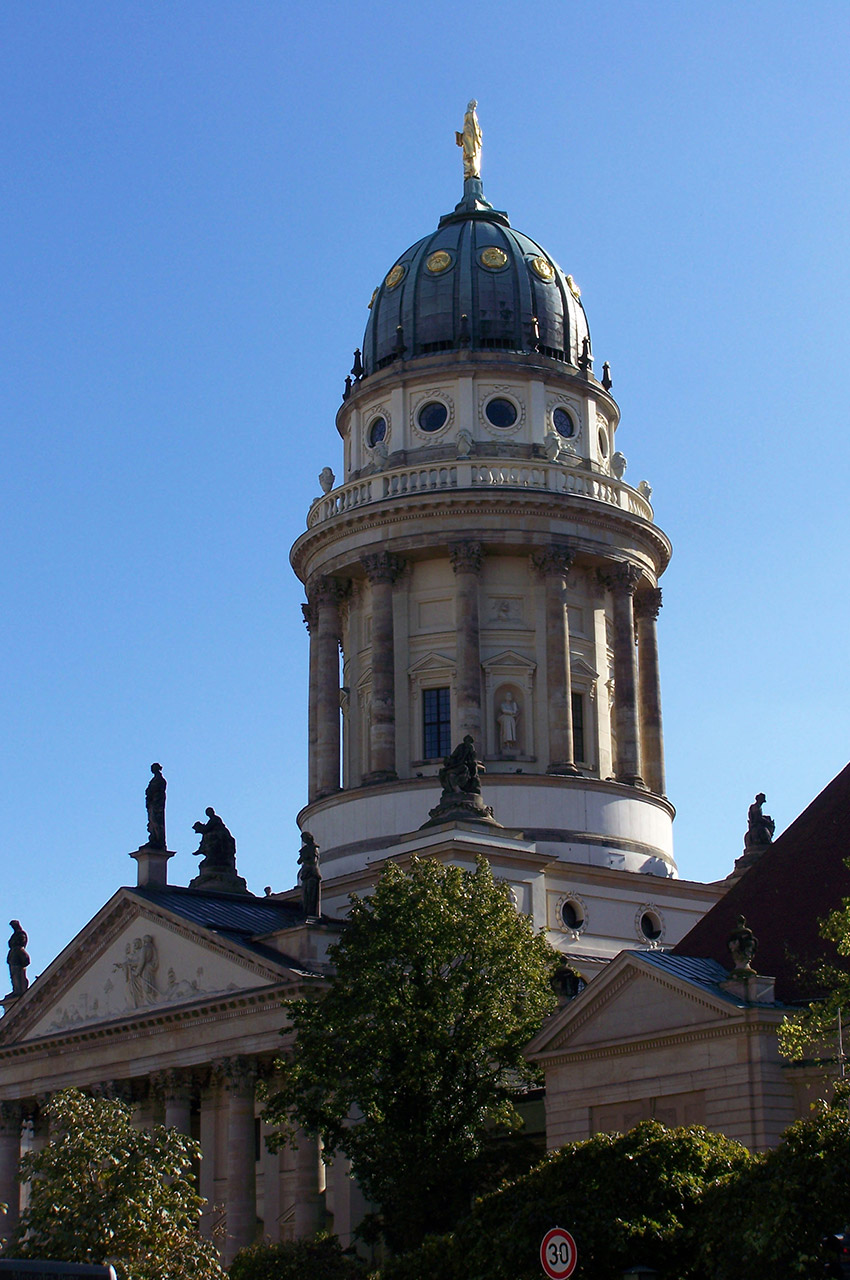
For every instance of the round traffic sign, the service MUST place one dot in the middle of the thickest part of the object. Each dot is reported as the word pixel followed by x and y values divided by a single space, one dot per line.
pixel 558 1254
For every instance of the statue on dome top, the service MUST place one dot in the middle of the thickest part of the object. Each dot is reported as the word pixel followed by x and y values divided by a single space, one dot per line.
pixel 470 141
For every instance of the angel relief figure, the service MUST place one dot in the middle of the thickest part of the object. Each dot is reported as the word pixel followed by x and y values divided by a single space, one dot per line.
pixel 139 967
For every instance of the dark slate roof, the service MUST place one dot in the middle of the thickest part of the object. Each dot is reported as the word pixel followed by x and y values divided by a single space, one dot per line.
pixel 696 970
pixel 784 896
pixel 240 917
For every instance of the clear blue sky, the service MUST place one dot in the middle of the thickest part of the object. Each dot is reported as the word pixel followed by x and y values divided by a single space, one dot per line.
pixel 198 201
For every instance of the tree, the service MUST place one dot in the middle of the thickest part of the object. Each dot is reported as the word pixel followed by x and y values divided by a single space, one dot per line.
pixel 412 1054
pixel 814 1030
pixel 103 1191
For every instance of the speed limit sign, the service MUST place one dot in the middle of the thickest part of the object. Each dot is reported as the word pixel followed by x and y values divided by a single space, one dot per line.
pixel 558 1254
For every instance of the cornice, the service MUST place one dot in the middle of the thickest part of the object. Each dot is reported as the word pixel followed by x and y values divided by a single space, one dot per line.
pixel 738 1025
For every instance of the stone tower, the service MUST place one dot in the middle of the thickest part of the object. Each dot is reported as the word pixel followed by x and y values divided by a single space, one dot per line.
pixel 484 569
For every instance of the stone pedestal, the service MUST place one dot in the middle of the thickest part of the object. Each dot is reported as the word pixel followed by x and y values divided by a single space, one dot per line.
pixel 152 865
pixel 219 882
pixel 460 807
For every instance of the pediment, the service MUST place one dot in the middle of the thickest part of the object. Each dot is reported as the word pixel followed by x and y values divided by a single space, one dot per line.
pixel 630 1004
pixel 130 962
pixel 509 658
pixel 431 662
pixel 580 666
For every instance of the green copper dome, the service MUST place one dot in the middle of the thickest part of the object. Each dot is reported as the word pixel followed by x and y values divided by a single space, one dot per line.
pixel 475 283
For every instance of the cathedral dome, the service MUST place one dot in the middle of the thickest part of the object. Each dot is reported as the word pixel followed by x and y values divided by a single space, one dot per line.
pixel 477 284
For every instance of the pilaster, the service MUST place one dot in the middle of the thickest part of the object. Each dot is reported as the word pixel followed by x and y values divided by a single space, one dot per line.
pixel 466 560
pixel 553 564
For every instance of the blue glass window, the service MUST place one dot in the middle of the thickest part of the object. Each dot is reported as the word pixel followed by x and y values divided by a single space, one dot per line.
pixel 500 412
pixel 432 416
pixel 563 423
pixel 436 721
pixel 377 431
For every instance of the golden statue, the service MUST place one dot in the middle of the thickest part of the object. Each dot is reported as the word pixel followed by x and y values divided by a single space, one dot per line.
pixel 470 140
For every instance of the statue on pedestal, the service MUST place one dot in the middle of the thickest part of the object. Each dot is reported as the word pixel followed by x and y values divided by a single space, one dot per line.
pixel 470 141
pixel 461 798
pixel 18 958
pixel 760 825
pixel 155 805
pixel 217 849
pixel 310 877
pixel 742 946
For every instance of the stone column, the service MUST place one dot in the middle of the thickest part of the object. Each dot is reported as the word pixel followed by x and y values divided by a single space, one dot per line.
pixel 382 569
pixel 11 1117
pixel 308 1187
pixel 326 595
pixel 622 580
pixel 647 605
pixel 210 1104
pixel 553 564
pixel 241 1159
pixel 466 561
pixel 176 1089
pixel 309 611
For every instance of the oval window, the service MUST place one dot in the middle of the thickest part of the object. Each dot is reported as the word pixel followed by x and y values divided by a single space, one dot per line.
pixel 500 412
pixel 603 443
pixel 572 914
pixel 650 926
pixel 563 423
pixel 432 416
pixel 377 431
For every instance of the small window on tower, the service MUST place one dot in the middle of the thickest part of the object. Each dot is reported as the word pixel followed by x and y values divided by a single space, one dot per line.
pixel 436 723
pixel 578 727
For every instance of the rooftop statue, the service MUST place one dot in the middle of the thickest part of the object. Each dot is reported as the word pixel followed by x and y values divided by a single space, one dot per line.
pixel 310 877
pixel 461 798
pixel 155 805
pixel 742 946
pixel 217 848
pixel 18 958
pixel 760 825
pixel 470 141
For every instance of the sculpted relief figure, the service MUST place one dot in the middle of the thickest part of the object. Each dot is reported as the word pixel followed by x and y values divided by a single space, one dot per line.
pixel 760 825
pixel 18 958
pixel 139 967
pixel 470 141
pixel 217 849
pixel 155 805
pixel 508 713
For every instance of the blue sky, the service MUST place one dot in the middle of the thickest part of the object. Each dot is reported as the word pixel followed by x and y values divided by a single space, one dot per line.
pixel 198 201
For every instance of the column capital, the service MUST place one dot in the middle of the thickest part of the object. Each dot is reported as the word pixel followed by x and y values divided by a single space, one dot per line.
pixel 466 557
pixel 621 579
pixel 308 611
pixel 648 603
pixel 325 589
pixel 172 1084
pixel 555 559
pixel 11 1117
pixel 236 1074
pixel 382 566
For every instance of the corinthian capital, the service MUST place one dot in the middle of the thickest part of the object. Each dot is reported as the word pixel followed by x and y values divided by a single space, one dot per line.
pixel 466 557
pixel 327 590
pixel 556 559
pixel 383 566
pixel 648 603
pixel 621 579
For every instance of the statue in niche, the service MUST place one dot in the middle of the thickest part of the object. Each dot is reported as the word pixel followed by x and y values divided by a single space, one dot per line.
pixel 18 958
pixel 217 849
pixel 139 967
pixel 155 805
pixel 507 720
pixel 760 825
pixel 310 877
pixel 742 946
pixel 460 770
pixel 470 141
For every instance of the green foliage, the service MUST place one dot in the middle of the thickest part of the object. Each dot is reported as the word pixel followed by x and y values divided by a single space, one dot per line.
pixel 319 1259
pixel 771 1218
pixel 813 1032
pixel 103 1191
pixel 439 983
pixel 626 1198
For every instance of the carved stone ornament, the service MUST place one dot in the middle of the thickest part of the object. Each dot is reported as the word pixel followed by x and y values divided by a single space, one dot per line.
pixel 310 877
pixel 155 805
pixel 309 613
pixel 648 603
pixel 742 946
pixel 465 557
pixel 553 560
pixel 461 798
pixel 18 958
pixel 383 566
pixel 760 825
pixel 139 967
pixel 325 590
pixel 621 578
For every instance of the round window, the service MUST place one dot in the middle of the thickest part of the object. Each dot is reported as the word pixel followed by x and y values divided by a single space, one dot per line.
pixel 377 431
pixel 650 926
pixel 563 423
pixel 432 416
pixel 572 914
pixel 500 412
pixel 603 443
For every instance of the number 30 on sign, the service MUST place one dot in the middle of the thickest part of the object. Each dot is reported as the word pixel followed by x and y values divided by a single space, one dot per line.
pixel 558 1254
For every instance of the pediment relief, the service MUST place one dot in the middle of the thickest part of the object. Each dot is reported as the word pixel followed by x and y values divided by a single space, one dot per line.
pixel 431 662
pixel 137 961
pixel 633 1004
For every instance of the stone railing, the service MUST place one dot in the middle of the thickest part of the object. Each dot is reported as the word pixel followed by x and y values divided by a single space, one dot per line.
pixel 478 474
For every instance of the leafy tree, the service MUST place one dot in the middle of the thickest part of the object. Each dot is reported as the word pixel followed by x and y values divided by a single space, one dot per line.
pixel 627 1199
pixel 320 1259
pixel 103 1191
pixel 412 1054
pixel 814 1030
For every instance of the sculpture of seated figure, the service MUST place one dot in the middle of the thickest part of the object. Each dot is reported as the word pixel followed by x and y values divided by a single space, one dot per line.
pixel 760 825
pixel 460 770
pixel 218 847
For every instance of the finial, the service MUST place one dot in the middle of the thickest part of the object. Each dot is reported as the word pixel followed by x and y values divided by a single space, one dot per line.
pixel 399 348
pixel 606 376
pixel 347 392
pixel 470 140
pixel 464 335
pixel 585 361
pixel 357 367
